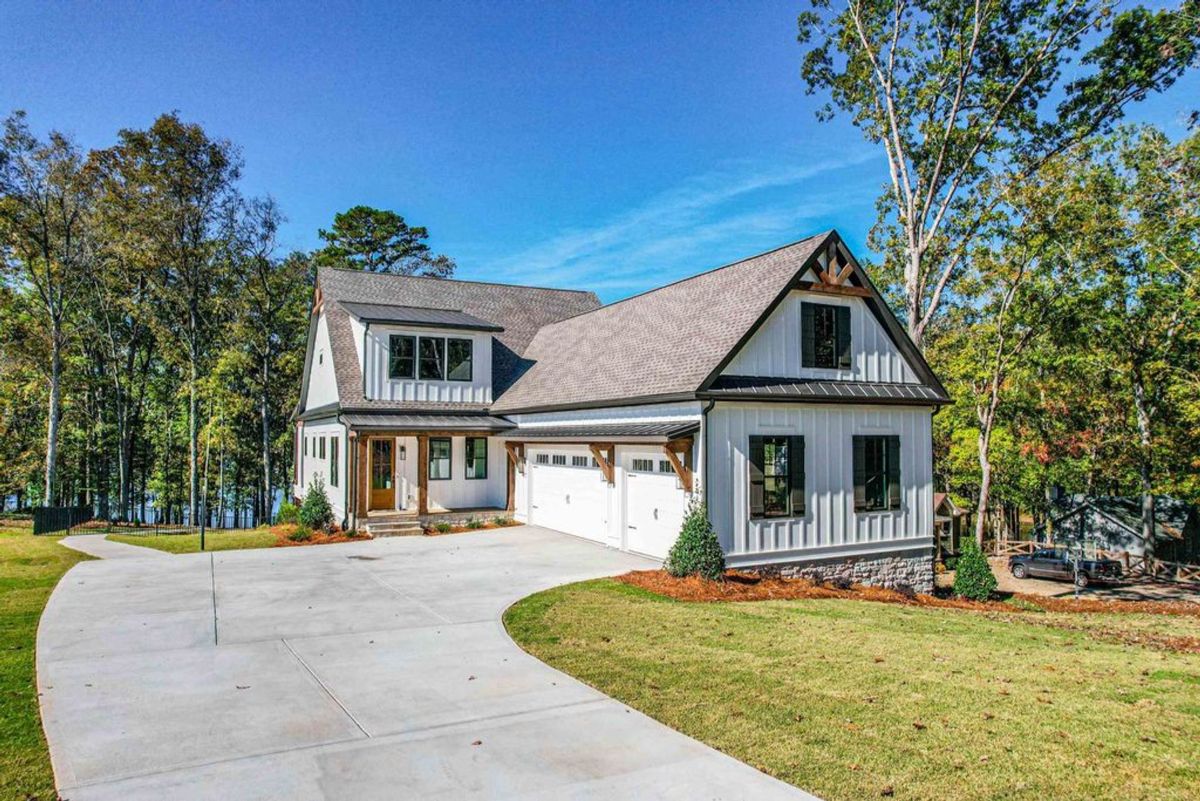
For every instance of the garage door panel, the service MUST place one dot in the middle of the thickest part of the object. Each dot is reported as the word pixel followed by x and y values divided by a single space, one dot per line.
pixel 655 505
pixel 569 499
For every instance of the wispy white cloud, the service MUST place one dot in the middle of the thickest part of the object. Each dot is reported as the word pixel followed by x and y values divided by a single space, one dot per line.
pixel 697 224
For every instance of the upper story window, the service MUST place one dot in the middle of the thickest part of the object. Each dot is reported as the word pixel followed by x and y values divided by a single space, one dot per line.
pixel 458 359
pixel 433 359
pixel 825 336
pixel 876 473
pixel 402 356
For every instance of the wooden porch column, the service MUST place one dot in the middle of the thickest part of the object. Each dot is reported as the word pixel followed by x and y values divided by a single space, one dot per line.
pixel 422 474
pixel 516 454
pixel 362 479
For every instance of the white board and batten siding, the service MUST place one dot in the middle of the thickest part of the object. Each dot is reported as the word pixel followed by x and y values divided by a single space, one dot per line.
pixel 312 466
pixel 830 526
pixel 379 386
pixel 322 385
pixel 775 348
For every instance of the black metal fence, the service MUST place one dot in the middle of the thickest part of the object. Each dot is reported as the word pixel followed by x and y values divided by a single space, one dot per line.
pixel 53 519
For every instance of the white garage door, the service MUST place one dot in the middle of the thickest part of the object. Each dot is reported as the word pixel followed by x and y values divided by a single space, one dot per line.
pixel 568 493
pixel 654 503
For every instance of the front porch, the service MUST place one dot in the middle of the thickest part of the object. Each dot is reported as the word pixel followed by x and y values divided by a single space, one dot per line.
pixel 417 475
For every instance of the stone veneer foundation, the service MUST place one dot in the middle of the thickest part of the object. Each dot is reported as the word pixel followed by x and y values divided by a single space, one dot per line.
pixel 881 571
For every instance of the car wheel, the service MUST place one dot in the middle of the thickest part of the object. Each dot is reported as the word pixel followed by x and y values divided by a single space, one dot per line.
pixel 1081 580
pixel 1020 571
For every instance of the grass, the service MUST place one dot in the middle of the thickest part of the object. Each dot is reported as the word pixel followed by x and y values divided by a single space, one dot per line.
pixel 29 568
pixel 853 699
pixel 217 540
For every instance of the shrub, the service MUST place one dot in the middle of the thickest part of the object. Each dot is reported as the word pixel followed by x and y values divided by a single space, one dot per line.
pixel 288 513
pixel 443 527
pixel 841 583
pixel 973 575
pixel 315 512
pixel 301 534
pixel 502 521
pixel 474 522
pixel 697 552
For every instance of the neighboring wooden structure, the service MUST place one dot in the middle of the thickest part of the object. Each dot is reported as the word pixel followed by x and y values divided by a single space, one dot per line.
pixel 948 521
pixel 1114 524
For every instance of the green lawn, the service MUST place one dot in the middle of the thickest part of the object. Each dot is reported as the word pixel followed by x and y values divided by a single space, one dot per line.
pixel 213 540
pixel 848 699
pixel 29 568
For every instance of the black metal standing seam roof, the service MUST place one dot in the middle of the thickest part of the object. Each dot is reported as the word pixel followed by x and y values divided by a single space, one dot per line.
pixel 607 432
pixel 426 422
pixel 422 317
pixel 772 388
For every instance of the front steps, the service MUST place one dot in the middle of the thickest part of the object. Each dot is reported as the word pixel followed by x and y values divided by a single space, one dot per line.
pixel 395 527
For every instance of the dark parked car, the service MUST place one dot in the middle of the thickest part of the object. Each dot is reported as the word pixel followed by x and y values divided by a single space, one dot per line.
pixel 1054 563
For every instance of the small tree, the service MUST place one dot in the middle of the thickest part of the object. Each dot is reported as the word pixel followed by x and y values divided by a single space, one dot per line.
pixel 697 552
pixel 973 575
pixel 315 512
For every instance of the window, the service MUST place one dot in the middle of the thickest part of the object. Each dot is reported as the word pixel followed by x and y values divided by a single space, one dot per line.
pixel 664 466
pixel 458 359
pixel 476 466
pixel 402 356
pixel 439 456
pixel 333 461
pixel 825 336
pixel 321 445
pixel 579 461
pixel 642 466
pixel 776 477
pixel 543 458
pixel 305 445
pixel 559 458
pixel 876 473
pixel 433 359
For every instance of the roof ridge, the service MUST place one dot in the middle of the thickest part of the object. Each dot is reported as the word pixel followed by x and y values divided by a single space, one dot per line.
pixel 701 274
pixel 453 280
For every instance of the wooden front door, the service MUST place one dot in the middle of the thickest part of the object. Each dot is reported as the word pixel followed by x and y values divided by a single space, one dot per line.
pixel 383 493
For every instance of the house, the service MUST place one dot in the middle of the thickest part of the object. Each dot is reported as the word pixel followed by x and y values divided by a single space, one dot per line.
pixel 1114 524
pixel 781 387
pixel 948 519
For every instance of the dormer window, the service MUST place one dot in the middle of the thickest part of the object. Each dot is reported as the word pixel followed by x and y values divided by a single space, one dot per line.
pixel 402 356
pixel 825 336
pixel 458 359
pixel 433 359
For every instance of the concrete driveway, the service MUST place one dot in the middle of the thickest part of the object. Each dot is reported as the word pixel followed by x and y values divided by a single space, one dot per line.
pixel 374 670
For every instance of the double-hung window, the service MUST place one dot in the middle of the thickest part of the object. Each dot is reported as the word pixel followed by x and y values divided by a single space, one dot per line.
pixel 439 458
pixel 432 361
pixel 402 356
pixel 476 461
pixel 876 473
pixel 321 445
pixel 825 336
pixel 333 461
pixel 776 476
pixel 458 359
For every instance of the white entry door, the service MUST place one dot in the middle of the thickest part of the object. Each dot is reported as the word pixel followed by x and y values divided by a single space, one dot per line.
pixel 654 502
pixel 567 493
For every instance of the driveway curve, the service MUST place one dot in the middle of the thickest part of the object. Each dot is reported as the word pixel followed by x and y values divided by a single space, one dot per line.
pixel 373 670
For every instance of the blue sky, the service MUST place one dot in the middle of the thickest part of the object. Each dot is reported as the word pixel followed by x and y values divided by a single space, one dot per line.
pixel 611 146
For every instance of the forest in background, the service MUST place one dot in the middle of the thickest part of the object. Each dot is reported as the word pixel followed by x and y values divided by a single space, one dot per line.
pixel 1043 255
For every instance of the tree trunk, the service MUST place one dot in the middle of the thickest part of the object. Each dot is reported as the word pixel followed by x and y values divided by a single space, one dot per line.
pixel 985 485
pixel 53 411
pixel 1145 461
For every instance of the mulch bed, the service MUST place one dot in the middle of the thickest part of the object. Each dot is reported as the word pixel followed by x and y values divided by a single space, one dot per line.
pixel 282 532
pixel 743 586
pixel 430 531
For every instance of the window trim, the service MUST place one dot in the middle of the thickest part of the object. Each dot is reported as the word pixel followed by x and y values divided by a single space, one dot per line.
pixel 797 481
pixel 890 472
pixel 469 458
pixel 843 337
pixel 392 376
pixel 449 459
pixel 470 359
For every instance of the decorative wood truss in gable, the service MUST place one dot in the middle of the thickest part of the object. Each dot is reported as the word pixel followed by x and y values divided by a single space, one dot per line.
pixel 834 272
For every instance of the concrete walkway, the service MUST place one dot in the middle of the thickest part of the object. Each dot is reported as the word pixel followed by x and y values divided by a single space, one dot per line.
pixel 99 546
pixel 374 670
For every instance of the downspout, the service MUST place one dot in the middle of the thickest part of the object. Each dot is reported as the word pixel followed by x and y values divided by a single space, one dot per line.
pixel 366 329
pixel 704 449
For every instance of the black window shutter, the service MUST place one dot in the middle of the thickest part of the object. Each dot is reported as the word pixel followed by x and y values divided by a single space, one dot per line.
pixel 796 473
pixel 808 333
pixel 893 472
pixel 860 473
pixel 845 354
pixel 756 477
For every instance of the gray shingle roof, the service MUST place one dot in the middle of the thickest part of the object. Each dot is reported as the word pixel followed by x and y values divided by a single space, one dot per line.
pixel 520 310
pixel 811 389
pixel 663 342
pixel 415 315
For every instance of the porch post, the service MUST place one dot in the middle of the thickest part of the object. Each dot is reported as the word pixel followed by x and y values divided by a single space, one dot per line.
pixel 363 476
pixel 422 474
